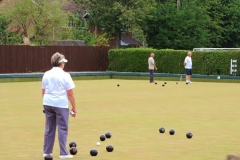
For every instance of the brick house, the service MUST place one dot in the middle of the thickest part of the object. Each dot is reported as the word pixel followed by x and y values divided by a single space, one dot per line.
pixel 126 39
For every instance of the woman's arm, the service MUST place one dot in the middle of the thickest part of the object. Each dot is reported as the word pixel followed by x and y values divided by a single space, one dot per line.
pixel 72 101
pixel 43 92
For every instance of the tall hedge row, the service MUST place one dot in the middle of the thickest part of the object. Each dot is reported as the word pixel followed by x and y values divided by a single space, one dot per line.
pixel 171 61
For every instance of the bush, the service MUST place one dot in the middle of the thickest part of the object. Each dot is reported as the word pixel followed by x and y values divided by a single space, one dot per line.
pixel 171 61
pixel 7 37
pixel 129 60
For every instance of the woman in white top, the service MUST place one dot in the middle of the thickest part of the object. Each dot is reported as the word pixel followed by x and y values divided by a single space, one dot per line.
pixel 188 67
pixel 57 90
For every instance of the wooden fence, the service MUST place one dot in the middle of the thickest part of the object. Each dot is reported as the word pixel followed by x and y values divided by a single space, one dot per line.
pixel 27 59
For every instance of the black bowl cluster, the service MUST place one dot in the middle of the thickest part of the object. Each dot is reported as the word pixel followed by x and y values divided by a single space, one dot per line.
pixel 109 148
pixel 189 135
pixel 73 149
pixel 164 84
pixel 104 136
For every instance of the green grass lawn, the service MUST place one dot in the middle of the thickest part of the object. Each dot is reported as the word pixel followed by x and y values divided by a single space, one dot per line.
pixel 133 113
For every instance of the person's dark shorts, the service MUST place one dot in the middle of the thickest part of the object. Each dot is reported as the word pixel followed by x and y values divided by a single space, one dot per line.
pixel 188 71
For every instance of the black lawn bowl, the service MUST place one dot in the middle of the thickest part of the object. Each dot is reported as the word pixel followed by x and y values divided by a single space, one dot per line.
pixel 102 137
pixel 93 152
pixel 176 82
pixel 161 130
pixel 172 132
pixel 72 144
pixel 189 135
pixel 109 148
pixel 186 83
pixel 155 83
pixel 163 85
pixel 108 135
pixel 118 85
pixel 73 150
pixel 165 82
pixel 48 157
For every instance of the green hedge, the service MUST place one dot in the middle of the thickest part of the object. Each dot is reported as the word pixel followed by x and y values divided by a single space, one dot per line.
pixel 171 61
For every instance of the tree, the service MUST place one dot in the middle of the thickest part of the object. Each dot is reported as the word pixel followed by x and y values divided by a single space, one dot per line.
pixel 178 28
pixel 39 20
pixel 214 10
pixel 117 16
pixel 79 31
pixel 7 37
pixel 231 23
pixel 225 24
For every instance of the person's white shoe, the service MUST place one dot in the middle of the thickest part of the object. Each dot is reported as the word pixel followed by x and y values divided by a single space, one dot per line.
pixel 66 156
pixel 189 82
pixel 46 154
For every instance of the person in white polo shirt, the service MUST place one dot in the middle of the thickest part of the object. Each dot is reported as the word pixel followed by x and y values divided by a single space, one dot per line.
pixel 151 66
pixel 57 91
pixel 188 67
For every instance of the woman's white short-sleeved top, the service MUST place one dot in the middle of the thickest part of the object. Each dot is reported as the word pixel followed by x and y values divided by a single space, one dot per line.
pixel 56 83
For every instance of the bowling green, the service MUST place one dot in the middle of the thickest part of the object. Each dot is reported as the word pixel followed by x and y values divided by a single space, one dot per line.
pixel 133 113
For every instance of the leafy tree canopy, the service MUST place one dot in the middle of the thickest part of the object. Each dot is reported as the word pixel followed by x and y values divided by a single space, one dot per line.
pixel 38 20
pixel 117 16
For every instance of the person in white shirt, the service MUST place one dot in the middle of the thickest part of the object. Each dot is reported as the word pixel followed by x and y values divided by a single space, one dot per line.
pixel 151 66
pixel 188 67
pixel 57 90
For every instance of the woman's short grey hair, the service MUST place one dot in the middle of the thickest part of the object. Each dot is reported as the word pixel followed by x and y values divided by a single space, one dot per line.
pixel 56 58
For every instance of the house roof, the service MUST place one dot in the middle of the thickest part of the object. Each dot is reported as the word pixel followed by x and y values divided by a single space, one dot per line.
pixel 123 43
pixel 71 6
pixel 127 39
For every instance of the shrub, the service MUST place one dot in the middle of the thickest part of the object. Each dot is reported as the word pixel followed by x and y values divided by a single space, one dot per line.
pixel 171 61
